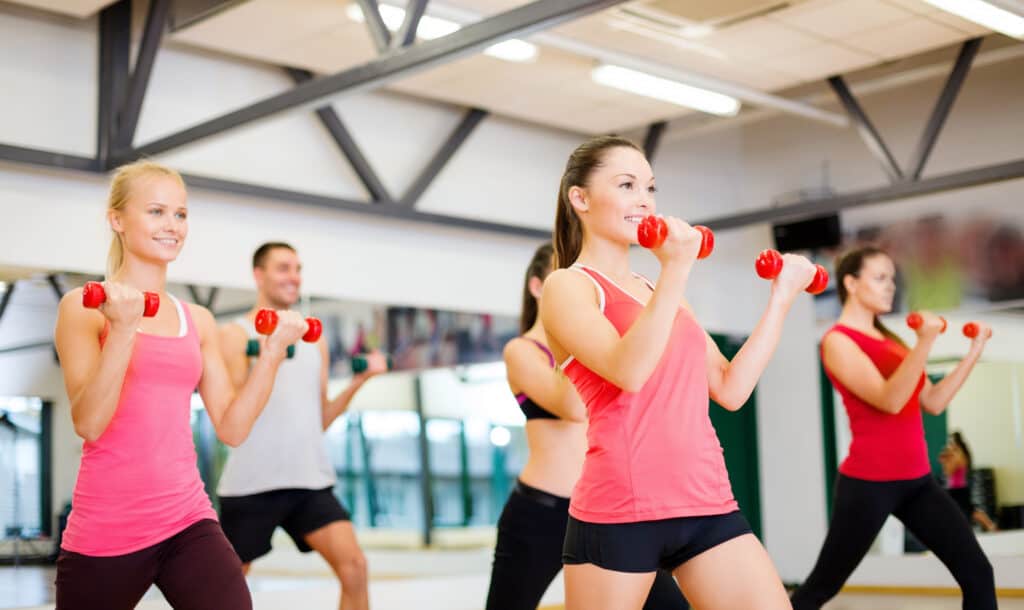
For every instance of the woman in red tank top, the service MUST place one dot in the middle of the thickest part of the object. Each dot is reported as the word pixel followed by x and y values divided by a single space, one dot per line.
pixel 140 515
pixel 654 492
pixel 884 389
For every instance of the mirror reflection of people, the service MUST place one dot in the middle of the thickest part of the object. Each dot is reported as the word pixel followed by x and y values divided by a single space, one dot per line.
pixel 887 472
pixel 1004 256
pixel 281 476
pixel 957 468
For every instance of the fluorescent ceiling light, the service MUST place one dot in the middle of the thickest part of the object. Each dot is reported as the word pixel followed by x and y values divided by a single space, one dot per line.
pixel 699 30
pixel 665 90
pixel 393 16
pixel 513 50
pixel 432 27
pixel 984 14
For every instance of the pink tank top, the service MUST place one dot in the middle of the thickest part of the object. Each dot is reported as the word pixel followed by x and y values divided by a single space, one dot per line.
pixel 138 483
pixel 958 479
pixel 652 454
pixel 885 446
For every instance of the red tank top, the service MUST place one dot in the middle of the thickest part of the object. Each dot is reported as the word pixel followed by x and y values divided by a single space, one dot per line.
pixel 652 454
pixel 885 446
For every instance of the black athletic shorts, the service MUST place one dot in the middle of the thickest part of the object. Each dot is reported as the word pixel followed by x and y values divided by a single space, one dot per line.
pixel 249 521
pixel 646 546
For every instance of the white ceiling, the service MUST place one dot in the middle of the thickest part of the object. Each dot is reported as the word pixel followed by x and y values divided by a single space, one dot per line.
pixel 768 51
pixel 74 8
pixel 767 45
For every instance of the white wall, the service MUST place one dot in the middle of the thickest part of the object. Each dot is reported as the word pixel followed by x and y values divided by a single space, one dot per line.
pixel 344 256
pixel 35 108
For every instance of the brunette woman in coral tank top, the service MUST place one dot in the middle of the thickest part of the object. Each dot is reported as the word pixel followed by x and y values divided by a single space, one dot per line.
pixel 654 492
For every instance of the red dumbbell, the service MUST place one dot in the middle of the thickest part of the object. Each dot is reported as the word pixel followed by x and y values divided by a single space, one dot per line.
pixel 266 322
pixel 914 321
pixel 93 296
pixel 971 330
pixel 652 233
pixel 768 265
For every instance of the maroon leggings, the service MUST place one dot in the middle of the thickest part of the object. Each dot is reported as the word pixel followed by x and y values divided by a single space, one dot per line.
pixel 195 569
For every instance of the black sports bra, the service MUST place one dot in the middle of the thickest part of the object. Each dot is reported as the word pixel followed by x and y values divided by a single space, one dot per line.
pixel 531 409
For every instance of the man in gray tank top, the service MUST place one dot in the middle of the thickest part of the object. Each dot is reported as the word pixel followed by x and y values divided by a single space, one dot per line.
pixel 281 475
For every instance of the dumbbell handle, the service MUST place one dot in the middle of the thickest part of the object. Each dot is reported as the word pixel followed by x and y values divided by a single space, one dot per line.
pixel 915 320
pixel 266 322
pixel 252 349
pixel 360 364
pixel 93 295
pixel 768 265
pixel 971 330
pixel 652 232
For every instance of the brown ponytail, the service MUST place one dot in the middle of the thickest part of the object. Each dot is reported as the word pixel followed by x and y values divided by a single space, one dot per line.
pixel 568 234
pixel 540 267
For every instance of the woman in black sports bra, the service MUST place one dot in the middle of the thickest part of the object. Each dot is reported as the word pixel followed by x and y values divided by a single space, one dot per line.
pixel 531 530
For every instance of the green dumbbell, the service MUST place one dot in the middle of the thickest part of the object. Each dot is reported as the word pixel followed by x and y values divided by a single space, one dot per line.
pixel 359 364
pixel 252 349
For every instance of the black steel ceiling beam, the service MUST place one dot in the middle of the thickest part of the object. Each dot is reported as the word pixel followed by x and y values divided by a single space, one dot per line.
pixel 406 34
pixel 459 135
pixel 1011 170
pixel 375 23
pixel 519 21
pixel 395 212
pixel 152 35
pixel 115 39
pixel 866 129
pixel 6 299
pixel 954 83
pixel 347 144
pixel 45 158
pixel 187 13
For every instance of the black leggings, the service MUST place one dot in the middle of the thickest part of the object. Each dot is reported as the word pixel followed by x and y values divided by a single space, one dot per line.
pixel 861 507
pixel 528 555
pixel 195 569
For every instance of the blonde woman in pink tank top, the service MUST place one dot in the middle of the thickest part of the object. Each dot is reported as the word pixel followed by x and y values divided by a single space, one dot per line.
pixel 139 513
pixel 654 493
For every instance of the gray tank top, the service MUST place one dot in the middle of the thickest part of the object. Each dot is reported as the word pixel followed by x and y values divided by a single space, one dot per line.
pixel 285 449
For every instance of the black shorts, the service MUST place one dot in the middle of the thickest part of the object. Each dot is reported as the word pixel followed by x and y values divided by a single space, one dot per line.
pixel 647 546
pixel 249 521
